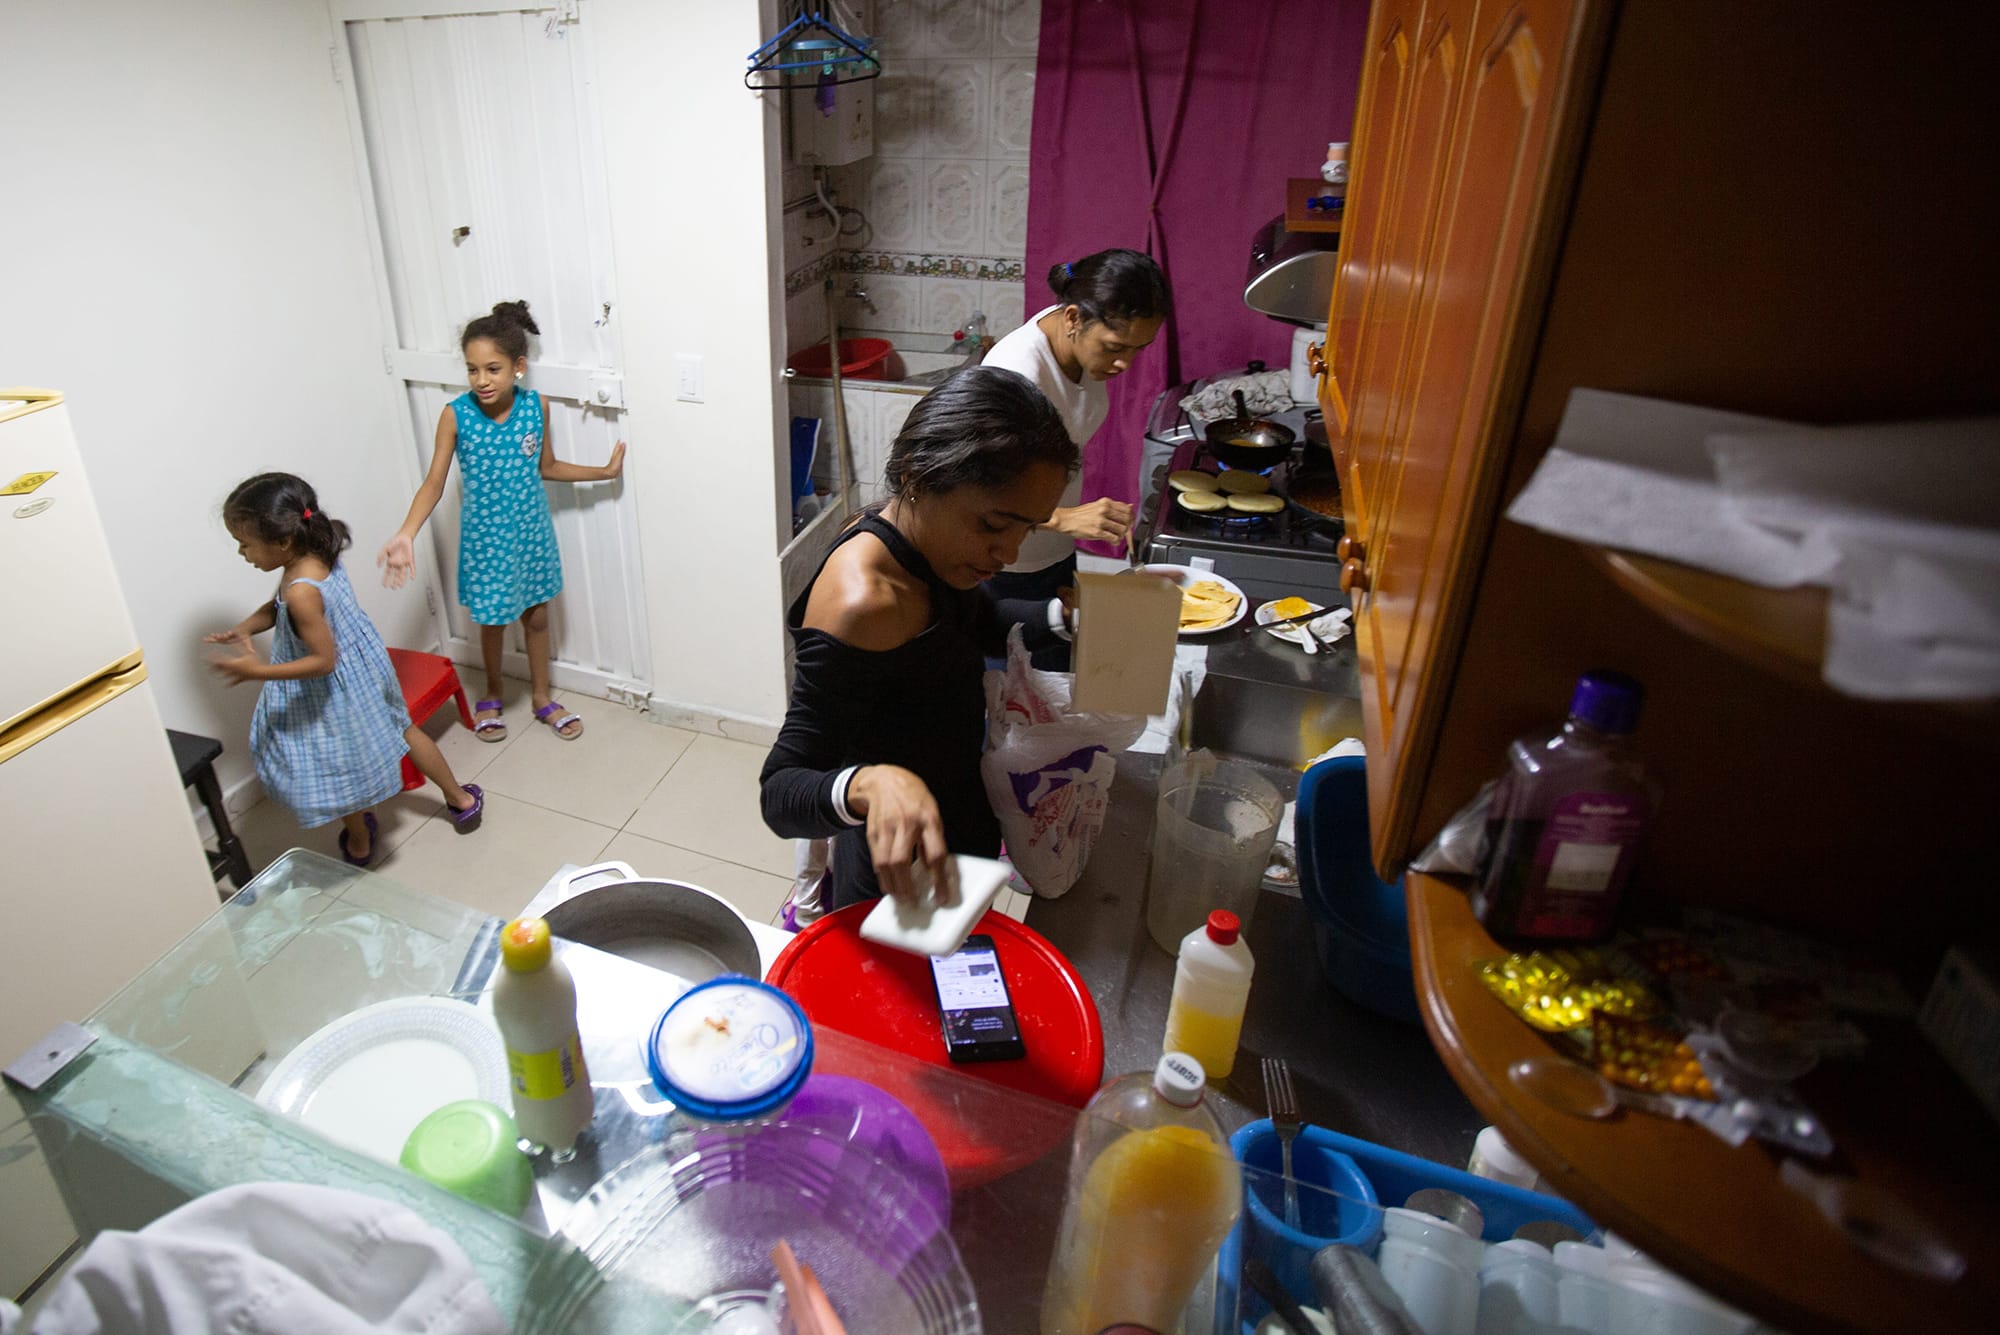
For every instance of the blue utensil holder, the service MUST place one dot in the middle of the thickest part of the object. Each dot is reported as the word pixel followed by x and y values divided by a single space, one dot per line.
pixel 1336 1205
pixel 1381 1177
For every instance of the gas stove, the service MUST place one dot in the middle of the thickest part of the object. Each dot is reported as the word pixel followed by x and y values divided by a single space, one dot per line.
pixel 1269 556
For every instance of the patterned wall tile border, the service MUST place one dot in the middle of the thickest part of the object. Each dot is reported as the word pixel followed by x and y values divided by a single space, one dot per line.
pixel 987 268
pixel 813 271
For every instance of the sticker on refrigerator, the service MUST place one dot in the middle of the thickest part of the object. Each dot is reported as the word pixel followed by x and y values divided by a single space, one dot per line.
pixel 25 483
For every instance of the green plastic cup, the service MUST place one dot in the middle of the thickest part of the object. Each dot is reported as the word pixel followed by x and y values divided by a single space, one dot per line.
pixel 470 1148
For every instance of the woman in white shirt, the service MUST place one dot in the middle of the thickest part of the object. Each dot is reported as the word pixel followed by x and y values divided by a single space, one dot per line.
pixel 1109 307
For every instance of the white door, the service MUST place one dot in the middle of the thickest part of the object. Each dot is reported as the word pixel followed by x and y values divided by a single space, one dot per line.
pixel 486 183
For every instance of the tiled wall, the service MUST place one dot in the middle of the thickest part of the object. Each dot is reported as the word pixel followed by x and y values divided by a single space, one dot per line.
pixel 946 191
pixel 875 414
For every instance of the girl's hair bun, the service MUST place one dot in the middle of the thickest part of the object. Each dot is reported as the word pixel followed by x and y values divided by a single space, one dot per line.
pixel 515 313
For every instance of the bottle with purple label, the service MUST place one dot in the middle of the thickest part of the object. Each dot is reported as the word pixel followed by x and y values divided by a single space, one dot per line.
pixel 1566 820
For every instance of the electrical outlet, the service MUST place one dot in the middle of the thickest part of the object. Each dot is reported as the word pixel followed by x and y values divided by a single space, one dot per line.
pixel 687 365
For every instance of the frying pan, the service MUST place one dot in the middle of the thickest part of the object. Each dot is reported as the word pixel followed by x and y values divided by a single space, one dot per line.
pixel 1249 442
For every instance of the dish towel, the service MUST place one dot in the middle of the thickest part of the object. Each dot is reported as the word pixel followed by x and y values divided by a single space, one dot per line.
pixel 1264 392
pixel 1900 522
pixel 271 1259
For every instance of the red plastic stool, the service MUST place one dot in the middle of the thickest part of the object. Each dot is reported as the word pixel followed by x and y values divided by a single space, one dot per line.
pixel 428 680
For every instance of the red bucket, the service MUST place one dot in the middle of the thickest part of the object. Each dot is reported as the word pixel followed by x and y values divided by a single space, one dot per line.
pixel 886 998
pixel 860 359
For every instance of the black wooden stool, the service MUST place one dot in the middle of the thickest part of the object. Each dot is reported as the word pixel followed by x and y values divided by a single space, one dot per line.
pixel 195 757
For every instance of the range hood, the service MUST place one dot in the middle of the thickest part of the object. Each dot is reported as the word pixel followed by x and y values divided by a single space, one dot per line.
pixel 1291 273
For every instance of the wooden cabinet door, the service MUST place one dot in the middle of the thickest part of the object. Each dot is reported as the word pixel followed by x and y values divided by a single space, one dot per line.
pixel 1472 316
pixel 1390 353
pixel 1375 163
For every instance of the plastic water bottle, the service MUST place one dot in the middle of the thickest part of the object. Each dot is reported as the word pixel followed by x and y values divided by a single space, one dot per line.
pixel 1566 820
pixel 1153 1191
pixel 1211 990
pixel 534 1003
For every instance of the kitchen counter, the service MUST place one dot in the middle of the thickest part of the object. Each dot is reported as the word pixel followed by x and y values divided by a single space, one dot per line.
pixel 1356 1072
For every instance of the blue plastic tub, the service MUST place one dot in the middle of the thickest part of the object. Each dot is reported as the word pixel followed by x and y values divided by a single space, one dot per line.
pixel 1367 973
pixel 1361 925
pixel 1390 1177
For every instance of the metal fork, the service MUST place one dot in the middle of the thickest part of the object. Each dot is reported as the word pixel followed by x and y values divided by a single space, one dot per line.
pixel 1284 1106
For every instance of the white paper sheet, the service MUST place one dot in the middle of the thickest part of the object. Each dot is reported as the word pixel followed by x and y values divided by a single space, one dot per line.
pixel 1636 474
pixel 1901 521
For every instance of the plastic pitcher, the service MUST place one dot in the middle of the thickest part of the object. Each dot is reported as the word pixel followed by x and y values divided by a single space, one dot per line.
pixel 1213 829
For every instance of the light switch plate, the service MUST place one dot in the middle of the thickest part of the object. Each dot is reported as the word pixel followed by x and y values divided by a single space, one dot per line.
pixel 688 377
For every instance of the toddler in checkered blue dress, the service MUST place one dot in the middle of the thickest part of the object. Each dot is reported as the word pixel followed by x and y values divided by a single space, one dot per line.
pixel 331 730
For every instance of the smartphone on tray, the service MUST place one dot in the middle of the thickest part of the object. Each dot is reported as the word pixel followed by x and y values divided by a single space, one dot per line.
pixel 979 1023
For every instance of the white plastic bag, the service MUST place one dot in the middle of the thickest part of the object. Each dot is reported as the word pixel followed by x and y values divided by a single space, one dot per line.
pixel 1047 771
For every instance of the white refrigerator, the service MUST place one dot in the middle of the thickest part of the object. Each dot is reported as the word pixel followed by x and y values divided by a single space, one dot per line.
pixel 101 869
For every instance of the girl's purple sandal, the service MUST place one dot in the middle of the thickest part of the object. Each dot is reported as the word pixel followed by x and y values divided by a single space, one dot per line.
pixel 542 716
pixel 489 729
pixel 368 819
pixel 464 819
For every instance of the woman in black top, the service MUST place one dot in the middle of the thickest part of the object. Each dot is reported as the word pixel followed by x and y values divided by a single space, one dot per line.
pixel 881 744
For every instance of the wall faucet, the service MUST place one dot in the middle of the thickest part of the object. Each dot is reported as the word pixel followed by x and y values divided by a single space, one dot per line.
pixel 859 293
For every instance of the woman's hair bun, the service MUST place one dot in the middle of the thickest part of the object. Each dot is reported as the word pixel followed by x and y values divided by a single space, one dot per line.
pixel 515 313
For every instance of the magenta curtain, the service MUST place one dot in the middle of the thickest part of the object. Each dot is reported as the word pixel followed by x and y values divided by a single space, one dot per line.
pixel 1171 126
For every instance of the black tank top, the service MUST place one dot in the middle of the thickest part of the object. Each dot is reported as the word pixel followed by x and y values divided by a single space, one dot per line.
pixel 921 705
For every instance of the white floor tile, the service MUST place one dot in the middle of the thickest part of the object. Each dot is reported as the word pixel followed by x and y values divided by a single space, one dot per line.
pixel 602 776
pixel 709 803
pixel 499 866
pixel 1013 904
pixel 463 751
pixel 757 895
pixel 268 828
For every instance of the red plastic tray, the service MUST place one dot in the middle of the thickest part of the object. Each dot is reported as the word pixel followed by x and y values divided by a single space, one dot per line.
pixel 886 998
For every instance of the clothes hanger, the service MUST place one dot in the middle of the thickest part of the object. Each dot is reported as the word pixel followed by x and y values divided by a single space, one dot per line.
pixel 812 52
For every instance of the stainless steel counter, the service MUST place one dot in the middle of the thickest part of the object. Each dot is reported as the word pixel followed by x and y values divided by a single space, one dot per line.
pixel 1356 1072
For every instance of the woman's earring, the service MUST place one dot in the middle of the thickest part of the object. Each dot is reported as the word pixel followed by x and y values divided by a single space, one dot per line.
pixel 520 375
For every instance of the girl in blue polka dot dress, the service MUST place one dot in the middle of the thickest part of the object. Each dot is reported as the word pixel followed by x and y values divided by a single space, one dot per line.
pixel 508 566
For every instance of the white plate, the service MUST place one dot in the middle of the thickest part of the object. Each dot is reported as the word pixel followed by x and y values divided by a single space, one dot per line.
pixel 367 1079
pixel 1186 575
pixel 1289 634
pixel 1293 634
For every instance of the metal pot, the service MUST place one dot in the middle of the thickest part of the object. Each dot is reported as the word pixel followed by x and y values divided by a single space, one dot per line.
pixel 678 928
pixel 1316 438
pixel 1249 442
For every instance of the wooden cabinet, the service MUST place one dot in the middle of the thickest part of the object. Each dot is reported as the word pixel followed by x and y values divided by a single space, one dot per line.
pixel 1737 206
pixel 1443 230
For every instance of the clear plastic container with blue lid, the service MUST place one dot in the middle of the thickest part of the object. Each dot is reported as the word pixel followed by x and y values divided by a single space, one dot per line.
pixel 730 1049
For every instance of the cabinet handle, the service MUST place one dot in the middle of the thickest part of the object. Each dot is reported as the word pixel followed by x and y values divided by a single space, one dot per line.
pixel 1353 577
pixel 1351 548
pixel 1316 359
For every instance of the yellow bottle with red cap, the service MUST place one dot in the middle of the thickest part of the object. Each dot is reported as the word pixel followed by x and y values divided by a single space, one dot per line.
pixel 1211 991
pixel 534 1003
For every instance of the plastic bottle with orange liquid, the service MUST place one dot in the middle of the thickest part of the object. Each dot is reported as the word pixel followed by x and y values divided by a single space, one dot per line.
pixel 1153 1191
pixel 1211 991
